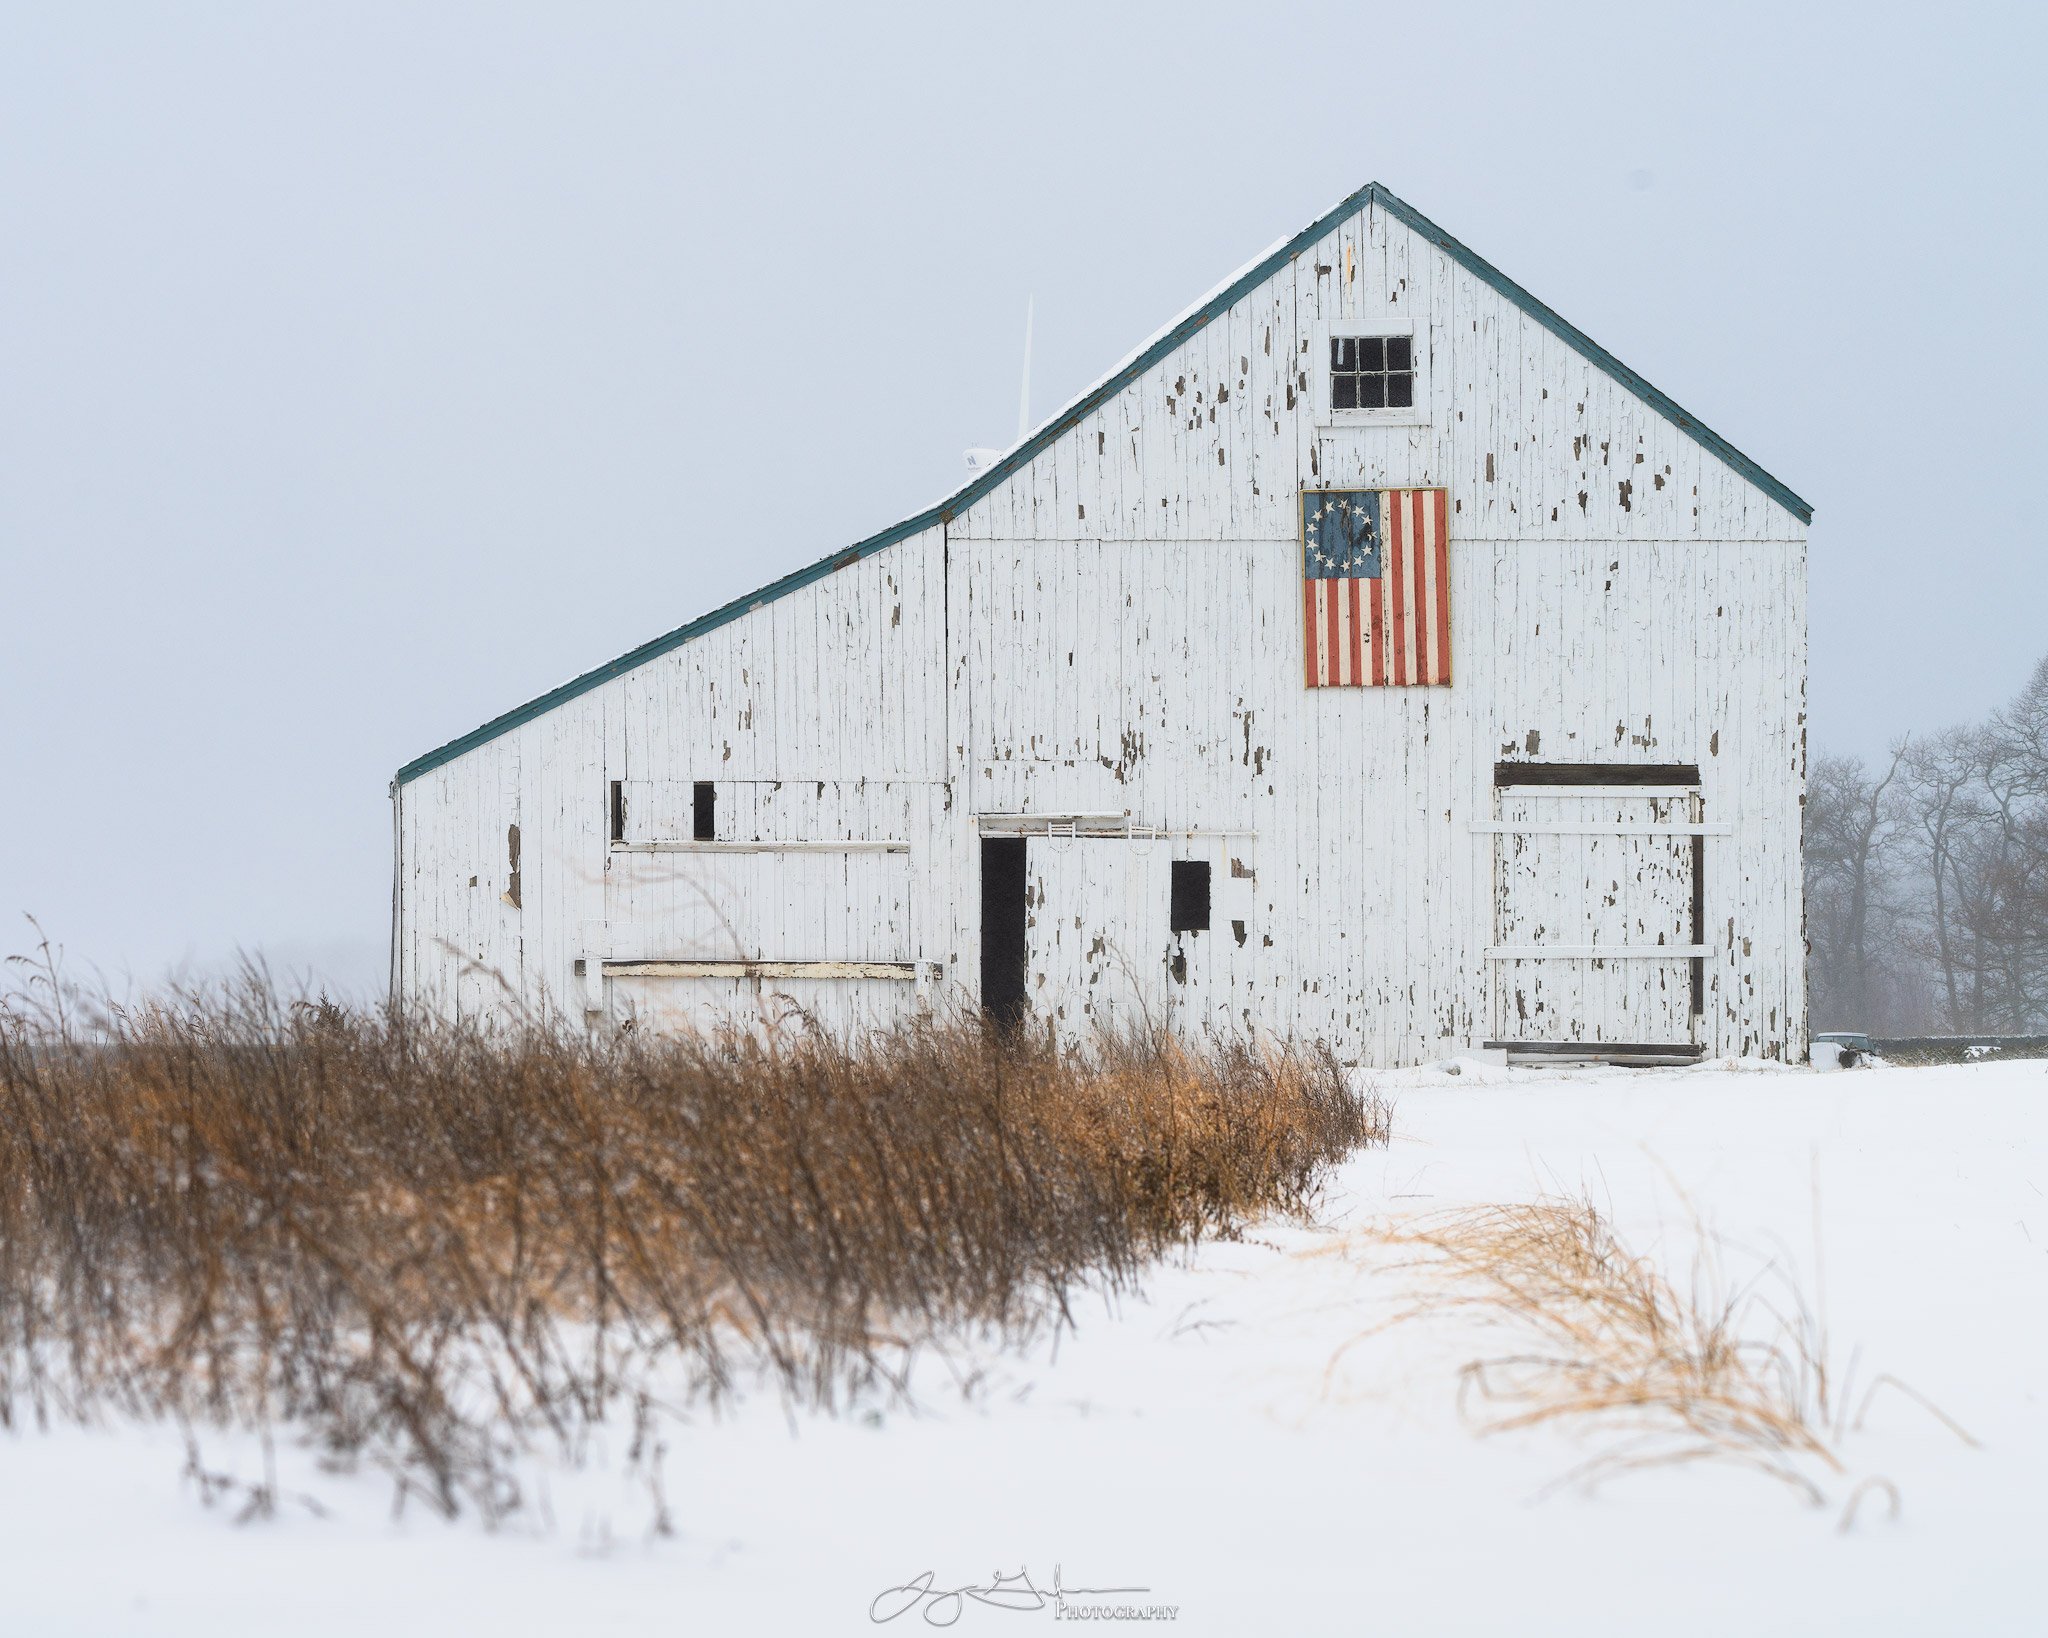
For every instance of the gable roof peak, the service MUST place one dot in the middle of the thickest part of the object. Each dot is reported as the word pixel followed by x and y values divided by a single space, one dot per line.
pixel 1196 318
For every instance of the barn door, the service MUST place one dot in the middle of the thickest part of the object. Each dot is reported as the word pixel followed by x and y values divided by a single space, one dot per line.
pixel 1097 936
pixel 1596 921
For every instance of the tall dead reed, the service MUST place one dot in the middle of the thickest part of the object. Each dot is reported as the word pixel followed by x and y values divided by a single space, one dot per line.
pixel 430 1245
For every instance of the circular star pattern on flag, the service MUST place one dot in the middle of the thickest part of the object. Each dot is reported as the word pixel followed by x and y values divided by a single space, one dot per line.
pixel 1345 537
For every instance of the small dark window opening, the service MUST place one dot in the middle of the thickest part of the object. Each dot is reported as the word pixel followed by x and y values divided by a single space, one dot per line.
pixel 1189 908
pixel 618 810
pixel 703 811
pixel 1372 372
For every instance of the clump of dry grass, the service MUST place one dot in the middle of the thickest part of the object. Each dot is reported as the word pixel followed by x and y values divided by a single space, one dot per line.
pixel 1608 1343
pixel 431 1245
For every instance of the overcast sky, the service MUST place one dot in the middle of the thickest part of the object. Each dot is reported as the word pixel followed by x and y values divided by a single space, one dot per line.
pixel 366 370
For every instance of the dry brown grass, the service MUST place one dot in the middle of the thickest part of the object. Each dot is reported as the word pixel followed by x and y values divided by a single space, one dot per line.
pixel 1605 1342
pixel 431 1246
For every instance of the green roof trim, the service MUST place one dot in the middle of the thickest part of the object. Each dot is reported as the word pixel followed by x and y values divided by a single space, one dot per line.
pixel 963 498
pixel 1595 354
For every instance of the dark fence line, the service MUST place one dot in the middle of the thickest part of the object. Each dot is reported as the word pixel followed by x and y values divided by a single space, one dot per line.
pixel 1959 1049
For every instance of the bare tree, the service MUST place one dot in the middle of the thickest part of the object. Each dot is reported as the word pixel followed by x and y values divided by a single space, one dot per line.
pixel 1979 797
pixel 2016 887
pixel 1939 777
pixel 1927 885
pixel 1853 828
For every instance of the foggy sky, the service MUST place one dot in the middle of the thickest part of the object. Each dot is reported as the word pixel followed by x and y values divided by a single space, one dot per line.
pixel 366 370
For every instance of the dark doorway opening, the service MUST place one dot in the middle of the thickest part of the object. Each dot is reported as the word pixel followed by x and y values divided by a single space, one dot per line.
pixel 1002 928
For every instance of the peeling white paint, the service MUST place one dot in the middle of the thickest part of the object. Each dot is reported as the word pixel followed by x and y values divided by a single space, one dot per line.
pixel 1116 631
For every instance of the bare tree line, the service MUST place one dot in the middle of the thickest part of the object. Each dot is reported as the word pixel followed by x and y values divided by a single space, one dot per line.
pixel 1927 880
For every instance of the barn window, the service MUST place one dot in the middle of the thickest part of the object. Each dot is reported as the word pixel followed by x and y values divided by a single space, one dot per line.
pixel 1188 906
pixel 703 811
pixel 618 807
pixel 1372 372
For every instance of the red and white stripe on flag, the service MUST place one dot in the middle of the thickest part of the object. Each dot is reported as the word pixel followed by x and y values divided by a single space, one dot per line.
pixel 1396 629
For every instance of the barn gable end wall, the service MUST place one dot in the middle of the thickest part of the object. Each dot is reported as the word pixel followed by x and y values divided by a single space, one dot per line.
pixel 1114 626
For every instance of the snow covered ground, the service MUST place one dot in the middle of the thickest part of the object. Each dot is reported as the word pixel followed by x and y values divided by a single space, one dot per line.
pixel 1241 1443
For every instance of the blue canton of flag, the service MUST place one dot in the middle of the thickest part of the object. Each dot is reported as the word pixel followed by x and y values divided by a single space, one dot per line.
pixel 1340 534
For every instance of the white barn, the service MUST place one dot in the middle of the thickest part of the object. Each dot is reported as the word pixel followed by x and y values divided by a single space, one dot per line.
pixel 1370 657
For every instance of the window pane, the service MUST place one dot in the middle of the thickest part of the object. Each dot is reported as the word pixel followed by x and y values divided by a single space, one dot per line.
pixel 1400 391
pixel 1372 353
pixel 1397 353
pixel 1343 354
pixel 1343 392
pixel 1372 392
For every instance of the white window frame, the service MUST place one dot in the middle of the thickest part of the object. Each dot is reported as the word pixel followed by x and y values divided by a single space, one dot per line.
pixel 1326 330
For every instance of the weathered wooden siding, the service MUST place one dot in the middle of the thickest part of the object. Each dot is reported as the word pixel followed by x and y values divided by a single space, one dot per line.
pixel 794 710
pixel 1358 805
pixel 1116 629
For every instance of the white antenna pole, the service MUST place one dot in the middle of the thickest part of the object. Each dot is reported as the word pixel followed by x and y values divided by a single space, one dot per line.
pixel 1024 398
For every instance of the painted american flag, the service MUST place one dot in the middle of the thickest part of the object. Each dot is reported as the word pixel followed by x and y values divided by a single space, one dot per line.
pixel 1375 587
